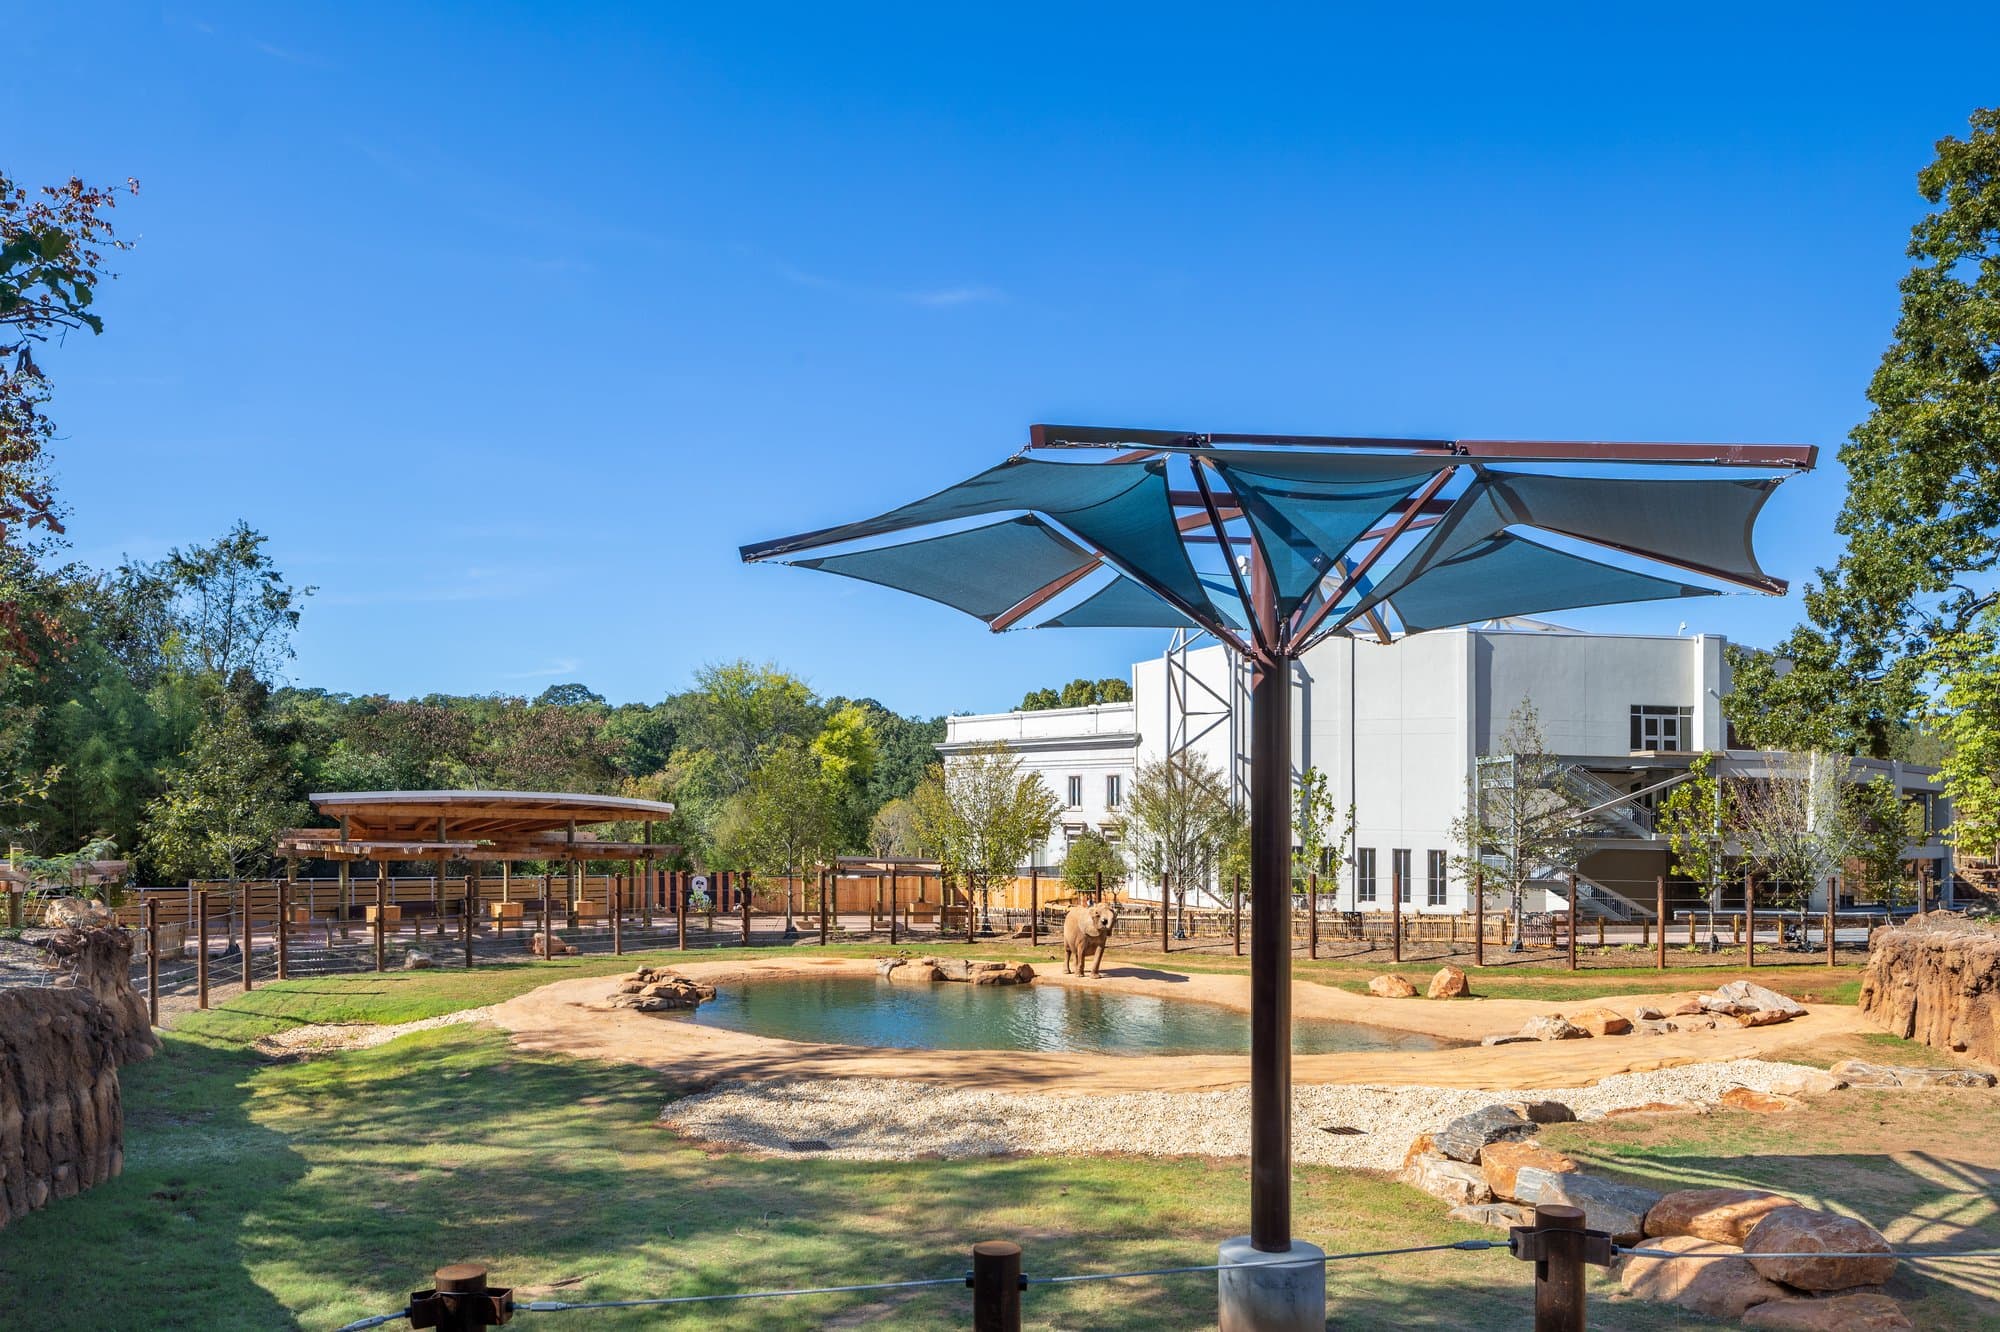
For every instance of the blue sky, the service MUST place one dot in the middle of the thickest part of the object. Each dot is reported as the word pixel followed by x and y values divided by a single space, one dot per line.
pixel 510 323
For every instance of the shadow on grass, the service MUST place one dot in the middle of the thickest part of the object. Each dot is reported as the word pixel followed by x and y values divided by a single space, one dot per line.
pixel 169 1243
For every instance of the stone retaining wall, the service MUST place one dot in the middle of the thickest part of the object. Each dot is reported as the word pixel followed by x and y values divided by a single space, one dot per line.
pixel 62 1127
pixel 1937 981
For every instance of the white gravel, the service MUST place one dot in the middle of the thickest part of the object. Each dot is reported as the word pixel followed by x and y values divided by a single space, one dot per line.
pixel 892 1119
pixel 326 1037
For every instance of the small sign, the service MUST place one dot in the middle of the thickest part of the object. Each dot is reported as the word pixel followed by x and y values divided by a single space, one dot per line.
pixel 698 884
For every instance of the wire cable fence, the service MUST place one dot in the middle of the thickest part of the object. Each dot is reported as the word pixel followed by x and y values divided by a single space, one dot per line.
pixel 1556 1243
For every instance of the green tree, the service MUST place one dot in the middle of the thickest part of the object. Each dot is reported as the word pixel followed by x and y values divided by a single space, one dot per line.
pixel 1320 837
pixel 893 830
pixel 1090 861
pixel 981 816
pixel 782 824
pixel 1795 823
pixel 1884 825
pixel 1178 822
pixel 847 753
pixel 1078 693
pixel 223 809
pixel 1523 821
pixel 1695 817
pixel 1922 513
pixel 1967 720
pixel 230 609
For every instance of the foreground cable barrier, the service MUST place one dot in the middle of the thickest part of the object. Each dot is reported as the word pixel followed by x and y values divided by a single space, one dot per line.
pixel 1557 1244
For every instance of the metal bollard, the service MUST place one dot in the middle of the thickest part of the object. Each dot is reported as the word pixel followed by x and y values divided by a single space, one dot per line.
pixel 461 1301
pixel 997 1284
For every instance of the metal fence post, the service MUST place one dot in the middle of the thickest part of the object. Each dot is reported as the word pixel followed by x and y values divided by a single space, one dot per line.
pixel 1830 922
pixel 461 1301
pixel 996 1286
pixel 246 939
pixel 1312 915
pixel 677 883
pixel 1660 910
pixel 1395 910
pixel 381 920
pixel 892 906
pixel 153 960
pixel 617 916
pixel 1236 916
pixel 743 900
pixel 201 948
pixel 1034 906
pixel 829 881
pixel 1166 945
pixel 284 924
pixel 1750 917
pixel 1479 917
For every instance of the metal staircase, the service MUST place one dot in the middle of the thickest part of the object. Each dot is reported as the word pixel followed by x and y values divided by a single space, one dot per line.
pixel 1611 808
pixel 1594 899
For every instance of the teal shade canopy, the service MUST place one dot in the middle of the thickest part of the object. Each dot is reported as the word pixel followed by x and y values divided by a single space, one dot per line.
pixel 983 571
pixel 1120 604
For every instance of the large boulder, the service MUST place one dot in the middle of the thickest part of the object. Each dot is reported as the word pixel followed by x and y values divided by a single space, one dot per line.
pixel 1532 1184
pixel 1716 1287
pixel 1464 1137
pixel 1936 981
pixel 1759 999
pixel 1501 1162
pixel 1449 983
pixel 1552 1027
pixel 98 961
pixel 1790 1230
pixel 1842 1313
pixel 1508 1038
pixel 1860 1073
pixel 924 971
pixel 1803 1081
pixel 1454 1182
pixel 659 990
pixel 1543 1112
pixel 1500 1215
pixel 1619 1210
pixel 1602 1022
pixel 1722 1215
pixel 418 960
pixel 1391 987
pixel 1756 1102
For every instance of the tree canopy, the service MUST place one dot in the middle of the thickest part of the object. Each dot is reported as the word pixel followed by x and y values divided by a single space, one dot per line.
pixel 1078 693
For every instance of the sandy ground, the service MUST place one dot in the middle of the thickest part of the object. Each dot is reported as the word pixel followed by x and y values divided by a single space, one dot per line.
pixel 563 1018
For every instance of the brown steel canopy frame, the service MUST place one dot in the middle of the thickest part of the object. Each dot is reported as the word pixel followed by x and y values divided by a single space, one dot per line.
pixel 1271 643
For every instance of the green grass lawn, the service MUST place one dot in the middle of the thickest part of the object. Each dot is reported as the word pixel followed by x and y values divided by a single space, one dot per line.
pixel 262 1194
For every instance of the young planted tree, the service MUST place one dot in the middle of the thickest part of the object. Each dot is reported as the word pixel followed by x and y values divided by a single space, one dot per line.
pixel 1321 837
pixel 1092 862
pixel 1884 826
pixel 1178 822
pixel 1795 823
pixel 783 822
pixel 1523 820
pixel 222 811
pixel 893 830
pixel 980 817
pixel 1695 817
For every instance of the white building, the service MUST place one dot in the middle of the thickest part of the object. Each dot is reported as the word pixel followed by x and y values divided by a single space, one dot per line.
pixel 1397 729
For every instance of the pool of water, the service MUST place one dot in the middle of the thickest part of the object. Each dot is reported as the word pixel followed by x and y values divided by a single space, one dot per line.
pixel 863 1010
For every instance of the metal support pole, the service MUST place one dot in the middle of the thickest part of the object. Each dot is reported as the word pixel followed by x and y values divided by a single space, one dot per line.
pixel 996 1286
pixel 743 899
pixel 892 904
pixel 1660 910
pixel 153 960
pixel 828 881
pixel 1236 916
pixel 677 885
pixel 617 891
pixel 284 927
pixel 201 948
pixel 1034 906
pixel 1271 957
pixel 548 890
pixel 1166 944
pixel 1830 922
pixel 381 916
pixel 1571 930
pixel 469 923
pixel 248 980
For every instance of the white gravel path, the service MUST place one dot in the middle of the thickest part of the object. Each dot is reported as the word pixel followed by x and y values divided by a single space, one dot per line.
pixel 326 1037
pixel 890 1119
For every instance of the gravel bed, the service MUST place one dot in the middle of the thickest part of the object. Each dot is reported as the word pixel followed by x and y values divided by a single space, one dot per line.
pixel 326 1037
pixel 892 1119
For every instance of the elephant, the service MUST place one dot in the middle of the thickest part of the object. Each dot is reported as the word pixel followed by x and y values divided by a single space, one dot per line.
pixel 1087 932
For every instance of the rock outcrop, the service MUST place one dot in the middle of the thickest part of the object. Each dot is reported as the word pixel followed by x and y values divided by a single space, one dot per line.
pixel 99 960
pixel 969 971
pixel 1937 981
pixel 1725 1286
pixel 1552 1027
pixel 1794 1230
pixel 62 1124
pixel 1449 983
pixel 1723 1216
pixel 1391 987
pixel 659 990
pixel 1861 1073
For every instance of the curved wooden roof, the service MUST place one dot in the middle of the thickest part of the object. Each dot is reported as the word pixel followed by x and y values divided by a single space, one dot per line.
pixel 473 825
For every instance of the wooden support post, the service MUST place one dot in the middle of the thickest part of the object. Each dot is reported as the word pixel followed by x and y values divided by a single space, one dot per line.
pixel 1034 906
pixel 1923 886
pixel 381 916
pixel 244 897
pixel 284 927
pixel 1559 1290
pixel 1750 916
pixel 153 960
pixel 1312 915
pixel 201 948
pixel 548 931
pixel 1571 929
pixel 1166 945
pixel 1831 924
pixel 617 919
pixel 1236 916
pixel 646 884
pixel 828 881
pixel 677 881
pixel 743 899
pixel 1099 896
pixel 892 905
pixel 1395 909
pixel 1660 910
pixel 996 1287
pixel 1600 931
pixel 1479 917
pixel 470 921
pixel 1691 927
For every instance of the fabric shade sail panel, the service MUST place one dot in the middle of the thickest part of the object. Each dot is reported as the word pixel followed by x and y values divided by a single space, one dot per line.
pixel 983 571
pixel 1505 575
pixel 1308 509
pixel 1120 604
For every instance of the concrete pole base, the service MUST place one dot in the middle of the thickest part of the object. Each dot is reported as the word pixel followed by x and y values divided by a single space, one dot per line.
pixel 1276 1298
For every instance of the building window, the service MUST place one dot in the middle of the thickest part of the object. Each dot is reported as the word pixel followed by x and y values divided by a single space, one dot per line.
pixel 1114 790
pixel 1364 874
pixel 1075 793
pixel 1400 862
pixel 1662 730
pixel 1435 881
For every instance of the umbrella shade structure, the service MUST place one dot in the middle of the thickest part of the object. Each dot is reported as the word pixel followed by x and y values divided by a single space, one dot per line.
pixel 1272 543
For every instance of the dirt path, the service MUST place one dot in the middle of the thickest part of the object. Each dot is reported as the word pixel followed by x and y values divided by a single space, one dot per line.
pixel 564 1018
